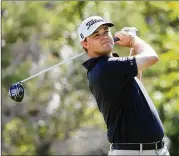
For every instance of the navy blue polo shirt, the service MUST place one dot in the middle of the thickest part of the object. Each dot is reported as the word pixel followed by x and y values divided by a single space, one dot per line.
pixel 127 114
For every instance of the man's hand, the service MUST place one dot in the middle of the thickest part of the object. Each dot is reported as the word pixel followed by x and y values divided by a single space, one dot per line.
pixel 145 54
pixel 127 36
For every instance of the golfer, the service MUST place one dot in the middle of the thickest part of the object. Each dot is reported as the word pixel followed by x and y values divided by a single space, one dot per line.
pixel 133 124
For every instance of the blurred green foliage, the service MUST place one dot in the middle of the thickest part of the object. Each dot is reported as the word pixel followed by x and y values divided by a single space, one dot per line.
pixel 37 35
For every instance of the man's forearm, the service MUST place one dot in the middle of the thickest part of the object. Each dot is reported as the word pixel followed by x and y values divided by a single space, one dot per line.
pixel 145 54
pixel 139 46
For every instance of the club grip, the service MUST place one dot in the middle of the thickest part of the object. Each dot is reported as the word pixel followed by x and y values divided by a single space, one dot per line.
pixel 116 39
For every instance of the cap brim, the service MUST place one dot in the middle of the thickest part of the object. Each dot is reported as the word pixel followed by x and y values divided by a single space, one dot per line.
pixel 109 24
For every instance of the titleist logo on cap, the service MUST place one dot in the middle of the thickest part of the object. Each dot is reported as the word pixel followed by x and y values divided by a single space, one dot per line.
pixel 93 21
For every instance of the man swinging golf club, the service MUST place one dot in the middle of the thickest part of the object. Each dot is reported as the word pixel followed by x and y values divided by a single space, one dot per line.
pixel 133 124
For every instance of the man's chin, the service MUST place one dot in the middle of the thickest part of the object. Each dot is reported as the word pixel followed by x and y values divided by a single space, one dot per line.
pixel 107 52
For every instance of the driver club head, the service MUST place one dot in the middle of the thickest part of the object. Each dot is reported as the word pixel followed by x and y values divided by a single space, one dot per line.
pixel 16 92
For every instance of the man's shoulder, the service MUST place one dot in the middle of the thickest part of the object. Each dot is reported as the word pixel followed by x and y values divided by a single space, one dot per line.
pixel 92 62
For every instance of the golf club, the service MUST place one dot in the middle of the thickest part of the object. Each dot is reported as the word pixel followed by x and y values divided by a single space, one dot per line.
pixel 16 90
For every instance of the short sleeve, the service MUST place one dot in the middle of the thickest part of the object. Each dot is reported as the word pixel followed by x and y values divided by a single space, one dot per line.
pixel 125 66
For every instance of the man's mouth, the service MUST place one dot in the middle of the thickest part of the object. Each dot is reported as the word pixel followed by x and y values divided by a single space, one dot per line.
pixel 107 42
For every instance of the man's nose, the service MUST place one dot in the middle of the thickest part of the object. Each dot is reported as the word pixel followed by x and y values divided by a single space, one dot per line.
pixel 105 35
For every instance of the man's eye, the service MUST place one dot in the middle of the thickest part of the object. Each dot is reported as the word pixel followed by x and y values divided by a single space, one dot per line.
pixel 96 35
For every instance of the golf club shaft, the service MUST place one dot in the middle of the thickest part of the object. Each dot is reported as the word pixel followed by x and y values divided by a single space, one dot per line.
pixel 43 71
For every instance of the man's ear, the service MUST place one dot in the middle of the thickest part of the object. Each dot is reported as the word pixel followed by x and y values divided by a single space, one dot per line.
pixel 85 44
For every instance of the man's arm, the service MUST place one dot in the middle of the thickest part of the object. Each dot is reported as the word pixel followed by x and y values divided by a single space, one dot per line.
pixel 146 56
pixel 132 51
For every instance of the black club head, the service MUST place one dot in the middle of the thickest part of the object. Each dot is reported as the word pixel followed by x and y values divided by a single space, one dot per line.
pixel 16 92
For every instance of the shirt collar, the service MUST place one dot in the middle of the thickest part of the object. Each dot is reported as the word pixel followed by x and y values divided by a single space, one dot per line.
pixel 93 61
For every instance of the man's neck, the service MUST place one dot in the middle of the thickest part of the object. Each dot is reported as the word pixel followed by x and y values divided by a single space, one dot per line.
pixel 93 55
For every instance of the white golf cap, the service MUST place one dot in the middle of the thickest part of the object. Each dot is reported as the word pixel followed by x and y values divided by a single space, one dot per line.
pixel 89 25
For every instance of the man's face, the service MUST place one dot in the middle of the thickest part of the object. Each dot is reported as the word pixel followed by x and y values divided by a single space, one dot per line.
pixel 100 42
